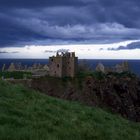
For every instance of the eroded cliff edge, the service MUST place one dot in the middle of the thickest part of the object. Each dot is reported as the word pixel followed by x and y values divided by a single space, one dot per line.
pixel 119 94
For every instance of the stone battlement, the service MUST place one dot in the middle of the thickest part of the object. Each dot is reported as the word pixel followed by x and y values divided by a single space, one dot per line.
pixel 63 64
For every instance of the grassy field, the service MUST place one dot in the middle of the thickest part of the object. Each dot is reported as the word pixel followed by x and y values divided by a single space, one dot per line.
pixel 28 115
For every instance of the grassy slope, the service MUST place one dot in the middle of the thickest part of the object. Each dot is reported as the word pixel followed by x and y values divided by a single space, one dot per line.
pixel 26 114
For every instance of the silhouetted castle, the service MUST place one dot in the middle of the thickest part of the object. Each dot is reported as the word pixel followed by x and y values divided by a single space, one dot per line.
pixel 63 64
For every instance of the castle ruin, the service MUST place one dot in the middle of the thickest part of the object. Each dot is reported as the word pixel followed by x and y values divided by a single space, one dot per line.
pixel 64 64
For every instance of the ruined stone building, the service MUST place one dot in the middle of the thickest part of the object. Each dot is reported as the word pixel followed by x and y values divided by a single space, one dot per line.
pixel 64 64
pixel 100 68
pixel 12 67
pixel 3 67
pixel 123 67
pixel 119 68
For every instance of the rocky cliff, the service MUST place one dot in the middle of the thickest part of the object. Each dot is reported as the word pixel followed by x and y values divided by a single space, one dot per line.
pixel 119 94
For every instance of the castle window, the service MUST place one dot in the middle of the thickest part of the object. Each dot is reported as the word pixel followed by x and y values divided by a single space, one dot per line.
pixel 57 65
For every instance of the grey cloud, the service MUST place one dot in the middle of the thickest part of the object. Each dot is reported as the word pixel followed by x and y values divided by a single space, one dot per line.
pixel 101 49
pixel 49 51
pixel 15 52
pixel 131 46
pixel 60 50
pixel 79 31
pixel 63 50
pixel 2 52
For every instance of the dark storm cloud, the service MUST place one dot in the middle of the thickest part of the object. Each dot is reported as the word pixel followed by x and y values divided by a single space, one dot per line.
pixel 131 46
pixel 39 21
pixel 38 3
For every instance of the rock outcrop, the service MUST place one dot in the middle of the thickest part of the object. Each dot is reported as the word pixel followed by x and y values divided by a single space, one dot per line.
pixel 118 94
pixel 100 68
pixel 119 68
pixel 12 67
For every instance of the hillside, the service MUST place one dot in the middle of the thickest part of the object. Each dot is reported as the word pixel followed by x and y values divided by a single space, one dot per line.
pixel 28 115
pixel 117 92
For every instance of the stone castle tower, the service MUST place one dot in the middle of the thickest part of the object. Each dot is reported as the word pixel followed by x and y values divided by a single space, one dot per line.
pixel 64 64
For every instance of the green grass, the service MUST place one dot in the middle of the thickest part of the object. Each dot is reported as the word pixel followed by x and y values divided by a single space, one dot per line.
pixel 28 115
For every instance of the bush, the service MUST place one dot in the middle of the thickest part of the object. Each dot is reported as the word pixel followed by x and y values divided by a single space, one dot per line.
pixel 95 74
pixel 15 74
pixel 122 74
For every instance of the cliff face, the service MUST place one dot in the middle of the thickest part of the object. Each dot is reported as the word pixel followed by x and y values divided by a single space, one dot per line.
pixel 120 95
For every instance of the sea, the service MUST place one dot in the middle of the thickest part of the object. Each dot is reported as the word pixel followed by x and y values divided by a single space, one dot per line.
pixel 134 65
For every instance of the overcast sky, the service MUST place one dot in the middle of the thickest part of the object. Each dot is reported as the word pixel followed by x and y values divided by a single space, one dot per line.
pixel 102 28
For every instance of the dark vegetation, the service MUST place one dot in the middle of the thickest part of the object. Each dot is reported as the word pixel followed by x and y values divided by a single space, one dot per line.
pixel 15 74
pixel 94 74
pixel 100 75
pixel 117 92
pixel 126 74
pixel 28 115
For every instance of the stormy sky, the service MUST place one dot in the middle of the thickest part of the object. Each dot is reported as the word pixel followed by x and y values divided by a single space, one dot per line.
pixel 49 25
